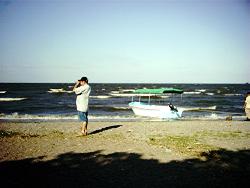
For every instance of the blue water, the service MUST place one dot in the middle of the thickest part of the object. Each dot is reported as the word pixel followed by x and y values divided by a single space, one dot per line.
pixel 34 101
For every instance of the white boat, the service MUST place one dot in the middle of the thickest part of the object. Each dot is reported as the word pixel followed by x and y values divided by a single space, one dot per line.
pixel 157 111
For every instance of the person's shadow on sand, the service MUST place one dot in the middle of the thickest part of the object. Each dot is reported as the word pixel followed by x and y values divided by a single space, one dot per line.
pixel 104 129
pixel 220 168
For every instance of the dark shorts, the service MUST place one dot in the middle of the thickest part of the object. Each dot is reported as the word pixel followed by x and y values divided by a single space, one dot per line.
pixel 83 116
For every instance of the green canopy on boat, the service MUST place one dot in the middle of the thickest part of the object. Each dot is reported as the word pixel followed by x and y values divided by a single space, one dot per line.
pixel 159 91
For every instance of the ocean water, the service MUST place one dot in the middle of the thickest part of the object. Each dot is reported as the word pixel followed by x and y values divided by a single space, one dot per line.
pixel 55 101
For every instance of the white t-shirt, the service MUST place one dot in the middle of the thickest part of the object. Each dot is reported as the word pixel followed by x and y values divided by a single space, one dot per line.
pixel 247 102
pixel 82 99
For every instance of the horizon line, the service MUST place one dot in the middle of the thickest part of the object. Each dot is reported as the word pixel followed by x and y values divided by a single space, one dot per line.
pixel 126 83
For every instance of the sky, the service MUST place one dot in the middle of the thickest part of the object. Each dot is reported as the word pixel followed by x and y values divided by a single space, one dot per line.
pixel 125 41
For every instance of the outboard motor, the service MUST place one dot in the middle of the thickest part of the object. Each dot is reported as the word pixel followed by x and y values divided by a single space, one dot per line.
pixel 172 107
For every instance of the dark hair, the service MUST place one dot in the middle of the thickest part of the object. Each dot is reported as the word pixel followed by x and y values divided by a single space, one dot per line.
pixel 248 93
pixel 85 79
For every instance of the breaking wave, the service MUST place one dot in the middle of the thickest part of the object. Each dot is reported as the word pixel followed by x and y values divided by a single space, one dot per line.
pixel 137 95
pixel 30 117
pixel 109 107
pixel 192 92
pixel 100 97
pixel 198 108
pixel 233 94
pixel 201 90
pixel 209 94
pixel 61 90
pixel 214 116
pixel 127 90
pixel 11 99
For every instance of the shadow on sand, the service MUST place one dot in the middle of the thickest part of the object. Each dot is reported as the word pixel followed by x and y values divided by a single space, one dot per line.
pixel 105 129
pixel 218 169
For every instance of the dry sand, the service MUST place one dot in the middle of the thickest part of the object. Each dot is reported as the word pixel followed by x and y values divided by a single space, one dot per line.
pixel 121 154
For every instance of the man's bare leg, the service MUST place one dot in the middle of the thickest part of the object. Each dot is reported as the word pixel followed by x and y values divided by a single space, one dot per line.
pixel 84 128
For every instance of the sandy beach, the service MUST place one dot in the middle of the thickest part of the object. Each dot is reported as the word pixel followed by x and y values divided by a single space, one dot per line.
pixel 122 154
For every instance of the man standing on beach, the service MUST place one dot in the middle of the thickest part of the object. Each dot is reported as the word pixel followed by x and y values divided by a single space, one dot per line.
pixel 82 90
pixel 247 105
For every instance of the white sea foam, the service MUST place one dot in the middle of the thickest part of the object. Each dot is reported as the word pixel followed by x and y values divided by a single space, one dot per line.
pixel 198 108
pixel 113 118
pixel 127 90
pixel 115 92
pixel 134 94
pixel 233 94
pixel 201 90
pixel 121 107
pixel 210 94
pixel 2 92
pixel 100 97
pixel 61 90
pixel 213 116
pixel 164 96
pixel 11 99
pixel 29 117
pixel 110 107
pixel 192 92
pixel 122 92
pixel 16 116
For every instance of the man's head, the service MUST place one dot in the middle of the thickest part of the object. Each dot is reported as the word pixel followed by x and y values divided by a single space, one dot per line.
pixel 83 80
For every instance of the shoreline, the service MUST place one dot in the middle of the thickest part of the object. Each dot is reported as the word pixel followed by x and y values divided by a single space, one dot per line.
pixel 74 118
pixel 23 120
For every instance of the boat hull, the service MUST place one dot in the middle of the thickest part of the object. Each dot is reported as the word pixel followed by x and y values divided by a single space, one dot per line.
pixel 164 112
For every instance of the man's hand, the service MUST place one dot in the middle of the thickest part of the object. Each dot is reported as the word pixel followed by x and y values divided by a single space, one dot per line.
pixel 77 83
